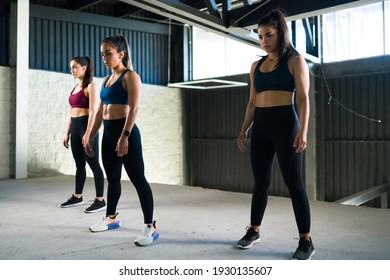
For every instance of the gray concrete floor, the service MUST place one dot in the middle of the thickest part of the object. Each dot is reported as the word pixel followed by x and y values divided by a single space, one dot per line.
pixel 194 224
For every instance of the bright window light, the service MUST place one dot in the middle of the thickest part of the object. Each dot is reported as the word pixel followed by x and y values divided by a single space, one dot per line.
pixel 353 33
pixel 215 55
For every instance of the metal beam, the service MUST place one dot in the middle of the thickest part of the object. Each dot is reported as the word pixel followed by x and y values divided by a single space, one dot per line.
pixel 367 195
pixel 226 8
pixel 294 9
pixel 312 35
pixel 212 8
pixel 183 13
pixel 238 23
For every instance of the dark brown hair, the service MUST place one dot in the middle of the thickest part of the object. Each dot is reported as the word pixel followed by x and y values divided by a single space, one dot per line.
pixel 88 75
pixel 120 44
pixel 276 19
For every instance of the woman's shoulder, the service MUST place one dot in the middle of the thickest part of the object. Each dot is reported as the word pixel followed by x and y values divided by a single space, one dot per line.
pixel 91 88
pixel 131 75
pixel 296 59
pixel 256 62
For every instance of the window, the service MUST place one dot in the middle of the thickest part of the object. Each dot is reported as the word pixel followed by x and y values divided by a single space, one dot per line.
pixel 353 33
pixel 215 55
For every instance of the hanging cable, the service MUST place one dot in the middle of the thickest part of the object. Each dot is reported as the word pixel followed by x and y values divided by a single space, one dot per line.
pixel 331 97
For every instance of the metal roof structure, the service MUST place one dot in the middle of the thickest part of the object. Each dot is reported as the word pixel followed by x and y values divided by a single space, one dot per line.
pixel 233 18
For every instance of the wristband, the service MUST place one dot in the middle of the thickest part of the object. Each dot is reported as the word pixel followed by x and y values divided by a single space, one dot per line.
pixel 126 132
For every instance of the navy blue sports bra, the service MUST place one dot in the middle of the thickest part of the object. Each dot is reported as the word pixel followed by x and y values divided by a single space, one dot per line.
pixel 279 78
pixel 114 94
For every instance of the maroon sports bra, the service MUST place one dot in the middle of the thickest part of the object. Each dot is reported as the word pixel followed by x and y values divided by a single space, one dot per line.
pixel 79 100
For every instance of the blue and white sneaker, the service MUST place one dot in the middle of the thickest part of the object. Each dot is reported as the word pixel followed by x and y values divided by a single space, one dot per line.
pixel 147 235
pixel 106 224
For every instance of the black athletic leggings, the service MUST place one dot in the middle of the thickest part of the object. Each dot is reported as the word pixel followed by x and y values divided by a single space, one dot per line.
pixel 134 166
pixel 273 132
pixel 78 127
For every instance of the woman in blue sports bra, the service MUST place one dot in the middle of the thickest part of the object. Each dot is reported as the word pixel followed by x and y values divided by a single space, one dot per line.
pixel 121 144
pixel 277 128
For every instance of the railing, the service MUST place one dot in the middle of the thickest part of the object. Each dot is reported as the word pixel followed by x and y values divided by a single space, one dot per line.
pixel 367 195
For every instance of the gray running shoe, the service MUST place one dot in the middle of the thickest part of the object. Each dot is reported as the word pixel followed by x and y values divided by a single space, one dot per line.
pixel 251 237
pixel 305 250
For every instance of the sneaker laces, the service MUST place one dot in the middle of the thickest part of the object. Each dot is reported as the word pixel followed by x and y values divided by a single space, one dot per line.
pixel 249 233
pixel 304 245
pixel 147 228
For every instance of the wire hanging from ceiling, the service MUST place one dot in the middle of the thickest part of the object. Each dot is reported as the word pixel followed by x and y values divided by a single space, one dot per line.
pixel 332 98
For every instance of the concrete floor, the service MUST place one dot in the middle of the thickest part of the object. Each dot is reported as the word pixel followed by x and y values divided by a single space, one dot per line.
pixel 194 224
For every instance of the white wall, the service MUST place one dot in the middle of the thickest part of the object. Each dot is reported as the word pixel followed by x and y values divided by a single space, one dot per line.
pixel 7 121
pixel 159 120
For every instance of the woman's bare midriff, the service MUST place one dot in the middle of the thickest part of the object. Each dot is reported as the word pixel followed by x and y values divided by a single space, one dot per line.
pixel 271 98
pixel 78 112
pixel 115 111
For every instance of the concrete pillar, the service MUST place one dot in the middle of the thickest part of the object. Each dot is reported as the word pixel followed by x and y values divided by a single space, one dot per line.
pixel 310 153
pixel 22 88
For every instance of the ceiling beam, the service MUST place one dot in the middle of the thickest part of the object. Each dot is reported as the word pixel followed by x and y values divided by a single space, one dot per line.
pixel 180 12
pixel 212 8
pixel 239 23
pixel 226 8
pixel 294 9
pixel 247 2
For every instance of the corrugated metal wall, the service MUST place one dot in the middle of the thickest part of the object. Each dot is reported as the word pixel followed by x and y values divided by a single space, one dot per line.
pixel 353 152
pixel 4 37
pixel 53 42
pixel 213 119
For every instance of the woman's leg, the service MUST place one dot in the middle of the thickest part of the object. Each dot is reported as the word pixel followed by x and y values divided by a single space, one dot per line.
pixel 112 165
pixel 94 164
pixel 134 166
pixel 290 164
pixel 77 132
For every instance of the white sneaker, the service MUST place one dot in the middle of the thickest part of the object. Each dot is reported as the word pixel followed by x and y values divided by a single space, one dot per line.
pixel 106 224
pixel 147 235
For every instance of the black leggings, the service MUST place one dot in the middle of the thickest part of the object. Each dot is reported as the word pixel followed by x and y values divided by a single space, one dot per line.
pixel 134 166
pixel 273 132
pixel 78 127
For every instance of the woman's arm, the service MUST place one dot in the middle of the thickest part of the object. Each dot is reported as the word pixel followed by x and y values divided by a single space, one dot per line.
pixel 132 84
pixel 94 105
pixel 67 134
pixel 95 119
pixel 302 83
pixel 249 113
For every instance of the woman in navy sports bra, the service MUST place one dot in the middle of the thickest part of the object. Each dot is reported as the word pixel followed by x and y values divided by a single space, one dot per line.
pixel 83 101
pixel 277 128
pixel 121 144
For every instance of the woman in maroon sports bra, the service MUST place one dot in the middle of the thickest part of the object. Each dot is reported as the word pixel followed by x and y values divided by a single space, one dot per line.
pixel 83 100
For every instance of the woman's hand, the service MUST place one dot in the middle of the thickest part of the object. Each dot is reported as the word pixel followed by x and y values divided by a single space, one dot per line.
pixel 122 146
pixel 66 141
pixel 241 141
pixel 88 147
pixel 300 142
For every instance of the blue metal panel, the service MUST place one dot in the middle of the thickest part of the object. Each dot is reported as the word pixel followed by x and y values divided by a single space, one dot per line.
pixel 4 39
pixel 53 42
